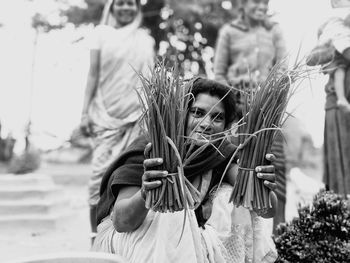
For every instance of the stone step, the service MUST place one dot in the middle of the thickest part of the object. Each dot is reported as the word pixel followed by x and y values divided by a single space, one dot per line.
pixel 25 179
pixel 32 203
pixel 29 193
pixel 34 223
pixel 67 174
pixel 41 207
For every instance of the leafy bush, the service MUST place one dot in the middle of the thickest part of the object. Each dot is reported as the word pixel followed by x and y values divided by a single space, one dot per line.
pixel 320 234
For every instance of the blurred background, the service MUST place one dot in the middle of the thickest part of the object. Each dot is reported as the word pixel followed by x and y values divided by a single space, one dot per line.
pixel 44 64
pixel 44 56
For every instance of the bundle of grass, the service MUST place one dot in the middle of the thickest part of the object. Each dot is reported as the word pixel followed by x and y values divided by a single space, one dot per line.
pixel 263 114
pixel 165 98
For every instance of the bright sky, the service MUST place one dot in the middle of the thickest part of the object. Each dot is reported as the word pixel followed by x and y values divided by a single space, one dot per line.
pixel 61 69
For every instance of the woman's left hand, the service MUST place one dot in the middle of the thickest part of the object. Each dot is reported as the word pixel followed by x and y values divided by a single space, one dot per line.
pixel 267 173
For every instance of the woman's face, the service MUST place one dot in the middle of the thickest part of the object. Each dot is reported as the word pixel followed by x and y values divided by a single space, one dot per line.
pixel 124 11
pixel 201 127
pixel 256 9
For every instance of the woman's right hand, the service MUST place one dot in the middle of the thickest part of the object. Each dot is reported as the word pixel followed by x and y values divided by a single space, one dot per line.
pixel 85 126
pixel 151 177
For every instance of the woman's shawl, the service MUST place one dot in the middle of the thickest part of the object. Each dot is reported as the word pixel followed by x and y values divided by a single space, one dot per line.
pixel 128 170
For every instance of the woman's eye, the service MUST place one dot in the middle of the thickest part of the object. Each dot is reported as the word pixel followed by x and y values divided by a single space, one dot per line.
pixel 219 118
pixel 197 113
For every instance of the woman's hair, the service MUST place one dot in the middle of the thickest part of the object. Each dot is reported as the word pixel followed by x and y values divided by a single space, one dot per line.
pixel 138 4
pixel 224 92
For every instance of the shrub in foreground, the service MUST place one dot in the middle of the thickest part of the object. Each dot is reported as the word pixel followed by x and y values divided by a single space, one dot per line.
pixel 320 234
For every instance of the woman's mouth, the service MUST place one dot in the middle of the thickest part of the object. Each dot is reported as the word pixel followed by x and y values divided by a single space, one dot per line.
pixel 204 136
pixel 125 15
pixel 260 12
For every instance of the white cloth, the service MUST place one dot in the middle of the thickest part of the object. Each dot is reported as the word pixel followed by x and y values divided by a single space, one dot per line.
pixel 334 31
pixel 243 233
pixel 124 53
pixel 157 240
pixel 107 145
pixel 230 235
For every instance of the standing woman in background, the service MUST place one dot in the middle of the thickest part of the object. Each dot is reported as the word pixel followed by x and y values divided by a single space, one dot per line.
pixel 332 53
pixel 246 50
pixel 111 109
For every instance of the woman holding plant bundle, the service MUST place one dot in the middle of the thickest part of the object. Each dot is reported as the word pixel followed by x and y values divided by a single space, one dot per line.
pixel 129 227
pixel 246 51
pixel 111 106
pixel 333 54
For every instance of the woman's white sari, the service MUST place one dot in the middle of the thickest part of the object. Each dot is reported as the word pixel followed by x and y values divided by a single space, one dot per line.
pixel 230 235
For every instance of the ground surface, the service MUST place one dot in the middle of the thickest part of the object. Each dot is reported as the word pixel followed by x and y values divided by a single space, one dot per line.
pixel 70 235
pixel 73 234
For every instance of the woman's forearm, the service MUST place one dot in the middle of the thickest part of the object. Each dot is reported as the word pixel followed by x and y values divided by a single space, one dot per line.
pixel 320 55
pixel 339 80
pixel 90 91
pixel 129 210
pixel 92 80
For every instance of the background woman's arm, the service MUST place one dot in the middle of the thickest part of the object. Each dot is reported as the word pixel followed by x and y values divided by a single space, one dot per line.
pixel 222 55
pixel 91 87
pixel 339 86
pixel 280 48
pixel 320 55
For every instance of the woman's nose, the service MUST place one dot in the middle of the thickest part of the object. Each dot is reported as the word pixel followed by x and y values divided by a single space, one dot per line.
pixel 124 5
pixel 206 123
